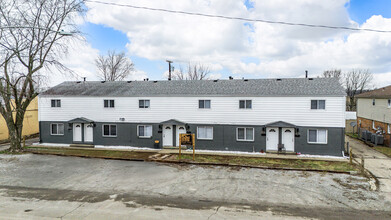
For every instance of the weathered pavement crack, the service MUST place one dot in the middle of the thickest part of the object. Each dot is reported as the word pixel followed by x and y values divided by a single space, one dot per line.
pixel 214 212
pixel 71 211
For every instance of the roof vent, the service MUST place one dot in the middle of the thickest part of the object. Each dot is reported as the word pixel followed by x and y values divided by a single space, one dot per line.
pixel 78 81
pixel 310 78
pixel 155 81
pixel 230 78
pixel 215 80
pixel 129 81
pixel 245 80
pixel 278 79
pixel 102 81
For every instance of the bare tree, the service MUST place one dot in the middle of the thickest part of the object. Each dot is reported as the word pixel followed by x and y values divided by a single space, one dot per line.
pixel 114 66
pixel 194 72
pixel 337 73
pixel 356 81
pixel 31 38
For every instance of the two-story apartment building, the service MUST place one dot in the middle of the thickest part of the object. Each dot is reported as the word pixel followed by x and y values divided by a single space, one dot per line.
pixel 305 115
pixel 374 112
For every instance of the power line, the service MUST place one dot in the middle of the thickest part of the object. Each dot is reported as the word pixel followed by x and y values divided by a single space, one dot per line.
pixel 241 18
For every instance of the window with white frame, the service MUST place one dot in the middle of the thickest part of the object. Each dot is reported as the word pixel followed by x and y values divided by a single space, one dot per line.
pixel 205 132
pixel 108 103
pixel 373 101
pixel 143 103
pixel 317 136
pixel 57 129
pixel 144 131
pixel 109 130
pixel 318 104
pixel 56 103
pixel 245 104
pixel 203 103
pixel 245 134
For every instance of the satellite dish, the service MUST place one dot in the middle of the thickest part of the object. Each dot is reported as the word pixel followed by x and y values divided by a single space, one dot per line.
pixel 353 123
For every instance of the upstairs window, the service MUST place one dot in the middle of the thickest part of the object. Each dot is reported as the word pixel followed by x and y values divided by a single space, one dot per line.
pixel 203 103
pixel 108 103
pixel 373 101
pixel 109 130
pixel 317 136
pixel 245 104
pixel 143 103
pixel 57 129
pixel 144 131
pixel 318 104
pixel 56 103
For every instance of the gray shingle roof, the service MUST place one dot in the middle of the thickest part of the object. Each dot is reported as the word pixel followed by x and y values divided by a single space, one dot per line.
pixel 236 87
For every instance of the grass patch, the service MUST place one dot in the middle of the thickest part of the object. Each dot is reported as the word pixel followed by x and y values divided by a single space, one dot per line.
pixel 126 155
pixel 273 163
pixel 384 150
pixel 353 135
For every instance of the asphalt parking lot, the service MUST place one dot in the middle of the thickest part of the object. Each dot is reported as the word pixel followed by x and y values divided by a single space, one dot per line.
pixel 40 186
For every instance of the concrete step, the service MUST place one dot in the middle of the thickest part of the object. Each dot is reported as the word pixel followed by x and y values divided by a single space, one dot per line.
pixel 82 145
pixel 174 147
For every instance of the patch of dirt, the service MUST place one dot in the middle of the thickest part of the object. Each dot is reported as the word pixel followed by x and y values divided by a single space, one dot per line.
pixel 349 185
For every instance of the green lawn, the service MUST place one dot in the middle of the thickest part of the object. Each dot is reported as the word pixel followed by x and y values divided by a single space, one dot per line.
pixel 273 163
pixel 384 150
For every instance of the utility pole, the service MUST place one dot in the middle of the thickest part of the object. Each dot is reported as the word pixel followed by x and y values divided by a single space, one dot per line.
pixel 169 69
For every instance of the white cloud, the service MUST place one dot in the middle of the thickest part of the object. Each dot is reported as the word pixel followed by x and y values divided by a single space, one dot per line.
pixel 282 51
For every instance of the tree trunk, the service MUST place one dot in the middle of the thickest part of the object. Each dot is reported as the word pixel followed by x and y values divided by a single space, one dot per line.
pixel 15 136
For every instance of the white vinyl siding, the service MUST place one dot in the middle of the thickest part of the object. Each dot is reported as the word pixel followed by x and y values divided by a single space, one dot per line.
pixel 225 110
pixel 109 130
pixel 317 136
pixel 245 134
pixel 57 129
pixel 205 132
pixel 144 131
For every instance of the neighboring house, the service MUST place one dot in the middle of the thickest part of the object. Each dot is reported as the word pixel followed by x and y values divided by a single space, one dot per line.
pixel 30 122
pixel 306 115
pixel 374 112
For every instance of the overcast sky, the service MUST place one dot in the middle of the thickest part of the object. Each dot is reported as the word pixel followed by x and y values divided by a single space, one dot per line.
pixel 237 48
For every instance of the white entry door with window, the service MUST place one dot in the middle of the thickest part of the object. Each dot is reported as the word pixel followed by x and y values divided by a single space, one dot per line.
pixel 288 139
pixel 272 139
pixel 76 132
pixel 88 133
pixel 167 135
pixel 180 129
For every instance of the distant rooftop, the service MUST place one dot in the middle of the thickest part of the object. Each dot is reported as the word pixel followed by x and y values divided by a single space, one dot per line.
pixel 233 87
pixel 384 92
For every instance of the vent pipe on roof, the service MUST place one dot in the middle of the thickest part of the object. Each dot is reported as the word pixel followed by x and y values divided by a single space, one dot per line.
pixel 306 74
pixel 84 79
pixel 230 78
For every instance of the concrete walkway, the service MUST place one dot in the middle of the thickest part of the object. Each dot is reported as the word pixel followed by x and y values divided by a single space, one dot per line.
pixel 377 163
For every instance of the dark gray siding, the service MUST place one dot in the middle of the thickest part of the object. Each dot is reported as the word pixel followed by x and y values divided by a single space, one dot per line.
pixel 224 138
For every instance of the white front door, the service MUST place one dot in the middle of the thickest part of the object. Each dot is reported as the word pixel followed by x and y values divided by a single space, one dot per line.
pixel 167 135
pixel 180 129
pixel 272 139
pixel 76 132
pixel 88 133
pixel 288 139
